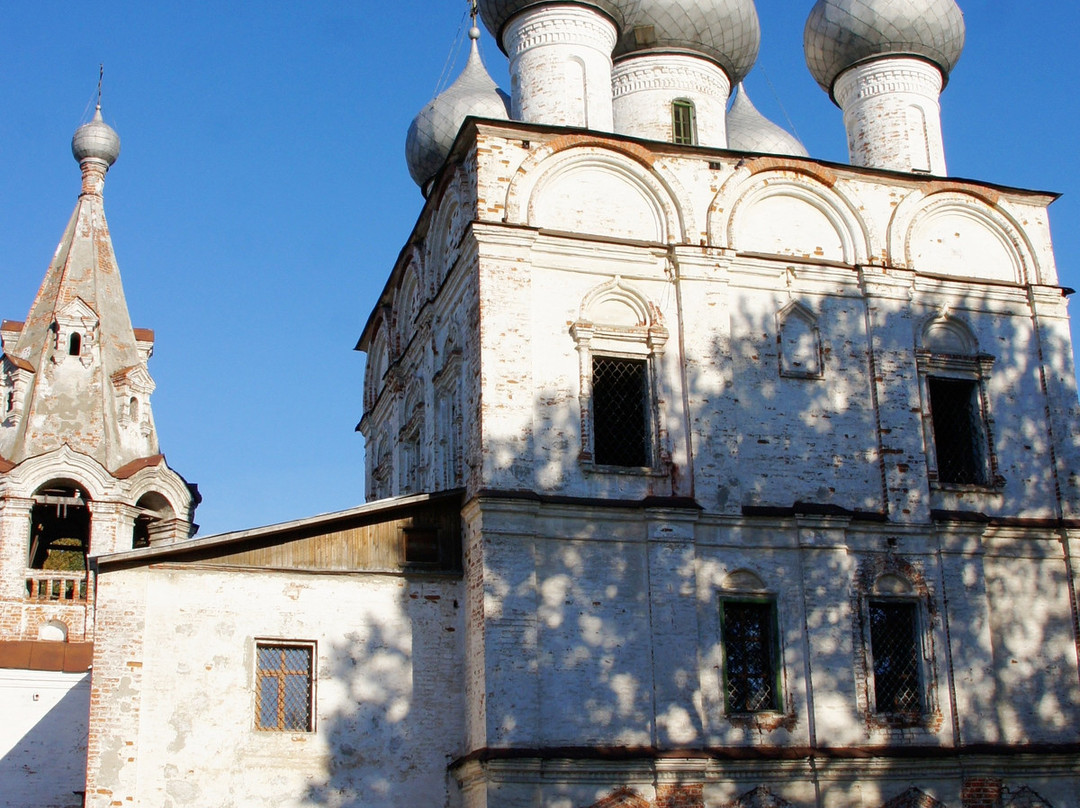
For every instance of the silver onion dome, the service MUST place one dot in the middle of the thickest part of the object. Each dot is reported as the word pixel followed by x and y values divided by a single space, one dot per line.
pixel 726 31
pixel 432 132
pixel 96 140
pixel 842 33
pixel 749 130
pixel 496 13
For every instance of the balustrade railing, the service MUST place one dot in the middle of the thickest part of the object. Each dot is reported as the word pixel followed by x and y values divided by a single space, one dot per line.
pixel 59 587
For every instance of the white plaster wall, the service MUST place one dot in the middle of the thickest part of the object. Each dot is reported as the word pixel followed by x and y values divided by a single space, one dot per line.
pixel 644 88
pixel 892 114
pixel 43 739
pixel 389 706
pixel 560 66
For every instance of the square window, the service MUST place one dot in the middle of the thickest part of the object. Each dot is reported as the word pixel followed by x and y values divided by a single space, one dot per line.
pixel 284 679
pixel 620 392
pixel 894 645
pixel 959 433
pixel 751 683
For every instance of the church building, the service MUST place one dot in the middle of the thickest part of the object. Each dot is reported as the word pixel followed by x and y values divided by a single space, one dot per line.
pixel 701 473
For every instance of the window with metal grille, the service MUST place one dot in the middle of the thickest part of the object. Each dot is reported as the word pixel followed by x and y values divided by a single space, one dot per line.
pixel 894 644
pixel 620 392
pixel 284 677
pixel 750 672
pixel 959 438
pixel 683 126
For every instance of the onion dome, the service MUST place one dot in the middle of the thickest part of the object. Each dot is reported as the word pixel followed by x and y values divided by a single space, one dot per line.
pixel 842 33
pixel 496 13
pixel 749 130
pixel 726 31
pixel 432 132
pixel 96 141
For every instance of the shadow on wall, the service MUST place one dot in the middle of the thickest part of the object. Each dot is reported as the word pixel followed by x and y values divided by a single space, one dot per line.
pixel 598 638
pixel 50 759
pixel 397 678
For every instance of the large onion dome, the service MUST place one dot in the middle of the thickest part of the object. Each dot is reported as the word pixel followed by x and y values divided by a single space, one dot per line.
pixel 749 130
pixel 726 31
pixel 96 141
pixel 496 13
pixel 432 132
pixel 842 33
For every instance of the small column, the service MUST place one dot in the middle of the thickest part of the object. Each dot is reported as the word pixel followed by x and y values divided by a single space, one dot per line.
pixel 560 66
pixel 646 89
pixel 14 546
pixel 892 114
pixel 112 527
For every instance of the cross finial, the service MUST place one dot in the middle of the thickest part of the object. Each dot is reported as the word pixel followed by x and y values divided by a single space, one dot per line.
pixel 100 77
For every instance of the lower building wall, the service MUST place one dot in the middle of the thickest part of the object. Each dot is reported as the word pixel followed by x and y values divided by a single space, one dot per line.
pixel 178 725
pixel 43 738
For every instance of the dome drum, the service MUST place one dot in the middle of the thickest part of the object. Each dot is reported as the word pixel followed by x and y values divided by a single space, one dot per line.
pixel 497 13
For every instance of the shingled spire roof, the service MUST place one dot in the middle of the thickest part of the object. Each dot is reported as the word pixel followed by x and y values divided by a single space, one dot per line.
pixel 84 368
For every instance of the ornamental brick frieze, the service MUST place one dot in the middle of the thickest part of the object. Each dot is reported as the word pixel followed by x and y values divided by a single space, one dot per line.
pixel 684 78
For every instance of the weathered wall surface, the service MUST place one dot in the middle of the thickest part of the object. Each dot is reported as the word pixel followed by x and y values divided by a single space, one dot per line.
pixel 602 629
pixel 43 739
pixel 174 700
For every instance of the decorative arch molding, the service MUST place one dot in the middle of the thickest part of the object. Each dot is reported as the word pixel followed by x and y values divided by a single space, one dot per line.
pixel 407 302
pixel 618 303
pixel 631 165
pixel 811 205
pixel 913 798
pixel 623 797
pixel 743 580
pixel 162 480
pixel 61 464
pixel 378 359
pixel 948 334
pixel 444 234
pixel 760 797
pixel 924 229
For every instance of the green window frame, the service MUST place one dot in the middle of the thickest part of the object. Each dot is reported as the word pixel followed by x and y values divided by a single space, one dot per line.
pixel 683 122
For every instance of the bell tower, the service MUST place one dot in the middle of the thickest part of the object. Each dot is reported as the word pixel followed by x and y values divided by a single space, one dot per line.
pixel 81 475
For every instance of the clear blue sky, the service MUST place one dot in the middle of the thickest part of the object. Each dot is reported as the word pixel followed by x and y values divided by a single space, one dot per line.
pixel 261 196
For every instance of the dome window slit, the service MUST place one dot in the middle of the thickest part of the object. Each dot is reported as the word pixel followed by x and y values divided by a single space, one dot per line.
pixel 683 122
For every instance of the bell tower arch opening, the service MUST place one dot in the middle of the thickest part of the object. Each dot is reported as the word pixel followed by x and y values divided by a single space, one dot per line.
pixel 60 528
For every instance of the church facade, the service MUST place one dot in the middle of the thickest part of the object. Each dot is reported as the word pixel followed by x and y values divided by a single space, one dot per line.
pixel 698 476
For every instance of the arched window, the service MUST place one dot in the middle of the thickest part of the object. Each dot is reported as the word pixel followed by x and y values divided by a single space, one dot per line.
pixel 75 344
pixel 683 122
pixel 133 410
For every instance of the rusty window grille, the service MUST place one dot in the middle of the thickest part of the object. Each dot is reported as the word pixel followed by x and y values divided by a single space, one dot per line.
pixel 895 648
pixel 959 438
pixel 620 390
pixel 284 679
pixel 683 125
pixel 750 671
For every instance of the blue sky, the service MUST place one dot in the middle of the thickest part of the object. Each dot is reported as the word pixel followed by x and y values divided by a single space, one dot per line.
pixel 261 196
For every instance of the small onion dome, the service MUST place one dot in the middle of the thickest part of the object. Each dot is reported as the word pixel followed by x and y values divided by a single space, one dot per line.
pixel 749 130
pixel 96 141
pixel 496 13
pixel 726 31
pixel 841 33
pixel 432 132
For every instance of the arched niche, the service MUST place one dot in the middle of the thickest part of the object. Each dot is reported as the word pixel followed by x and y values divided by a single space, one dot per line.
pixel 787 213
pixel 799 341
pixel 742 580
pixel 593 188
pixel 378 362
pixel 956 233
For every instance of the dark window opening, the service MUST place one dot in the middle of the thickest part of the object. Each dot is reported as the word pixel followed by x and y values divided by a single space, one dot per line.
pixel 959 439
pixel 284 677
pixel 683 125
pixel 59 530
pixel 422 546
pixel 620 420
pixel 75 344
pixel 895 648
pixel 750 672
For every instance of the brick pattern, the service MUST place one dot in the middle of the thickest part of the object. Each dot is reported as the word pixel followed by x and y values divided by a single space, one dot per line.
pixel 981 792
pixel 680 795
